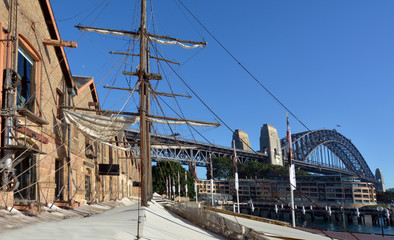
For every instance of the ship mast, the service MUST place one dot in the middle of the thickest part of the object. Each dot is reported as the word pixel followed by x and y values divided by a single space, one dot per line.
pixel 144 77
pixel 144 109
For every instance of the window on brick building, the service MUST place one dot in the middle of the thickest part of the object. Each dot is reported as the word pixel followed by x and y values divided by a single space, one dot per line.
pixel 26 89
pixel 75 132
pixel 59 103
pixel 110 155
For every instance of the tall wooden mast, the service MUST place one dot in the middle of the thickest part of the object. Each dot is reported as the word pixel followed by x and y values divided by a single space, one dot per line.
pixel 144 107
pixel 144 76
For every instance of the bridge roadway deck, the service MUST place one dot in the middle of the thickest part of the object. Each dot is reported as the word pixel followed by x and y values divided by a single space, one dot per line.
pixel 189 151
pixel 184 150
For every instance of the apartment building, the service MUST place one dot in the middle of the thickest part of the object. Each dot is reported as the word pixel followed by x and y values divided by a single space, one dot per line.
pixel 333 190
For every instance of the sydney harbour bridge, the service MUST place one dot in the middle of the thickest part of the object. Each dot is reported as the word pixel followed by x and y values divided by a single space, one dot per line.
pixel 319 151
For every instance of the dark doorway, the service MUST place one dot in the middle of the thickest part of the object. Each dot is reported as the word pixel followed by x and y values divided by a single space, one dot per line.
pixel 87 187
pixel 26 173
pixel 59 180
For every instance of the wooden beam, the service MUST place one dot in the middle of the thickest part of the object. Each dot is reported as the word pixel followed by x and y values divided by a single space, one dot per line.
pixel 186 120
pixel 93 104
pixel 150 76
pixel 31 116
pixel 137 55
pixel 30 133
pixel 156 93
pixel 119 88
pixel 60 43
pixel 154 76
pixel 170 94
pixel 127 54
pixel 130 73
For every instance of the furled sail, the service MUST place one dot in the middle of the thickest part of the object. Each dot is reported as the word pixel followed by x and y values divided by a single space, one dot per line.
pixel 174 42
pixel 152 37
pixel 117 147
pixel 172 147
pixel 103 128
pixel 108 31
pixel 99 127
pixel 180 122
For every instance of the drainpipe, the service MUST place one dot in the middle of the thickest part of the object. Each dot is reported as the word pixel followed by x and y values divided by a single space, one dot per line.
pixel 70 93
pixel 102 176
pixel 118 162
pixel 127 174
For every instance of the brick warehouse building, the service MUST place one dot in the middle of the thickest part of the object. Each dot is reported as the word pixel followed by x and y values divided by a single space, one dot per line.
pixel 34 162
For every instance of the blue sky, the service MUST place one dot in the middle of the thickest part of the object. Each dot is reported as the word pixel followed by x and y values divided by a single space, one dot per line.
pixel 330 62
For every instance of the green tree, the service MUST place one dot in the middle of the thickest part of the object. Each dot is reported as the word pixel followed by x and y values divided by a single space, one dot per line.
pixel 166 169
pixel 385 197
pixel 251 169
pixel 223 168
pixel 260 170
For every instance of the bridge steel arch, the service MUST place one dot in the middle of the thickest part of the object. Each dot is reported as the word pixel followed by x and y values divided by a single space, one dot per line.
pixel 305 143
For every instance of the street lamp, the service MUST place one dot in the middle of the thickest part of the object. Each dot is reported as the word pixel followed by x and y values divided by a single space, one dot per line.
pixel 380 209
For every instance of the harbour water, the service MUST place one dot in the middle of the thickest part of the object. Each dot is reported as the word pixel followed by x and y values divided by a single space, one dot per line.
pixel 388 230
pixel 324 224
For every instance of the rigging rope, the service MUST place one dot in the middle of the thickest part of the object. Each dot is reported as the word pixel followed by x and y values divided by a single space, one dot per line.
pixel 95 6
pixel 225 124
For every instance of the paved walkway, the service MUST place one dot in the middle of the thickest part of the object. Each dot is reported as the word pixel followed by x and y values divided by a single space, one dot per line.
pixel 118 223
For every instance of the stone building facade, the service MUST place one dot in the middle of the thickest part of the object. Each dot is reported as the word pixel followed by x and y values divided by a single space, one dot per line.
pixel 51 160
